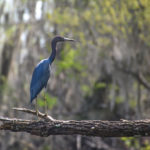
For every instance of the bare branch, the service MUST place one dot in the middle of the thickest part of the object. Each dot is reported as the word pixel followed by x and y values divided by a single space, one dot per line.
pixel 99 128
pixel 33 112
pixel 138 75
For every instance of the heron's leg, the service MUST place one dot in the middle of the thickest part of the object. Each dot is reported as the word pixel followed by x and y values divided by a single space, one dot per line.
pixel 36 107
pixel 45 103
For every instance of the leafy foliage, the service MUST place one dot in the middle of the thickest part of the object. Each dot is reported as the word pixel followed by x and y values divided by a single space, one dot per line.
pixel 69 60
pixel 101 69
pixel 134 142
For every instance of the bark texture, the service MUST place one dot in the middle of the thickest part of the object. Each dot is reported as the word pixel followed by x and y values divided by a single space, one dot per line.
pixel 48 126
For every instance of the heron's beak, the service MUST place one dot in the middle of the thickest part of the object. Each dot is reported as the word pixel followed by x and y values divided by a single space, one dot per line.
pixel 67 39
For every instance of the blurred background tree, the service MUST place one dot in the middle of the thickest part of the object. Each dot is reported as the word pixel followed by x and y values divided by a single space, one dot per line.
pixel 105 75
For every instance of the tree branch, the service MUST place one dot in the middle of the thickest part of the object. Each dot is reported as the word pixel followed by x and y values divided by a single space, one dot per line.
pixel 33 112
pixel 47 127
pixel 137 75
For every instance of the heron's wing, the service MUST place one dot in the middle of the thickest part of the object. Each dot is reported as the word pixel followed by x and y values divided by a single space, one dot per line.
pixel 39 79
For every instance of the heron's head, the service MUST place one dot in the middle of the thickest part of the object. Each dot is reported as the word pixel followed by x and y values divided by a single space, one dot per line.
pixel 61 39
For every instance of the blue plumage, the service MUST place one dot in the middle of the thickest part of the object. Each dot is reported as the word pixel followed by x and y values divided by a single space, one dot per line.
pixel 41 72
pixel 40 78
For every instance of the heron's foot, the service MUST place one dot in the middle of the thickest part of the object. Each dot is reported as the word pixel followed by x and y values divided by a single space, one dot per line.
pixel 48 118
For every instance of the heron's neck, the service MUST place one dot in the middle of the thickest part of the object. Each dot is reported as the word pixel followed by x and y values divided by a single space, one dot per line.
pixel 53 54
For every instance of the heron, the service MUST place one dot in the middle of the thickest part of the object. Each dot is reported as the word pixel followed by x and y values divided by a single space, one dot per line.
pixel 42 71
